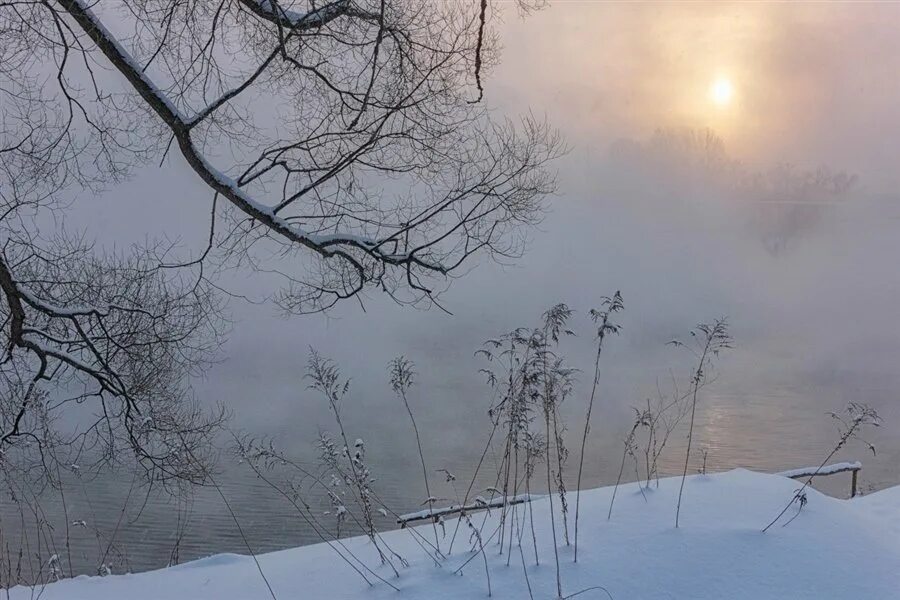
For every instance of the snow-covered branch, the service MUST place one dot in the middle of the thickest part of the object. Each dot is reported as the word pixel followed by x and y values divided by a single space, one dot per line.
pixel 368 92
pixel 271 10
pixel 221 183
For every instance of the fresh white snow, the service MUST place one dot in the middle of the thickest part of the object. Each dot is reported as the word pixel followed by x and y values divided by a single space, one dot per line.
pixel 835 549
pixel 478 504
pixel 821 471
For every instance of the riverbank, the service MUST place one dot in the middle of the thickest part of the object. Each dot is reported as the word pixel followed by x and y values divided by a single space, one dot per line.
pixel 833 549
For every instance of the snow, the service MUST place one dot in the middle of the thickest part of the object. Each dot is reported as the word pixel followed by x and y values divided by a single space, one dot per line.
pixel 884 506
pixel 826 470
pixel 312 18
pixel 479 504
pixel 85 7
pixel 834 549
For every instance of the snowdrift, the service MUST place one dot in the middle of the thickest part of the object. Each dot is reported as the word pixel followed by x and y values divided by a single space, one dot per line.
pixel 834 549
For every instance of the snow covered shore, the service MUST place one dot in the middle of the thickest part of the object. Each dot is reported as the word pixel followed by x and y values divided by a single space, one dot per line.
pixel 835 549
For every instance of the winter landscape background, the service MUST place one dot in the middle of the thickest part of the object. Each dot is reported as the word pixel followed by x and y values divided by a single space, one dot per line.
pixel 780 211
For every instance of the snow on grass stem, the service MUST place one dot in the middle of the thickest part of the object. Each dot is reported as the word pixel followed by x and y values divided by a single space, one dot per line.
pixel 533 452
pixel 326 378
pixel 465 498
pixel 556 384
pixel 609 306
pixel 709 341
pixel 628 443
pixel 858 416
pixel 552 518
pixel 562 454
pixel 402 378
pixel 515 508
pixel 251 454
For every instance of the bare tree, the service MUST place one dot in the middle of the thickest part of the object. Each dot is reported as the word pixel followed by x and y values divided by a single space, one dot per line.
pixel 789 203
pixel 344 145
pixel 96 354
pixel 346 139
pixel 345 136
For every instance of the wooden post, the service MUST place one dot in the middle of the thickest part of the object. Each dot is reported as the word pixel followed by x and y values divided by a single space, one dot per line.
pixel 853 484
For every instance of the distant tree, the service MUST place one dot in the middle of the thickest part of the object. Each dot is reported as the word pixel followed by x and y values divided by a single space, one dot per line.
pixel 344 146
pixel 679 157
pixel 790 201
pixel 780 204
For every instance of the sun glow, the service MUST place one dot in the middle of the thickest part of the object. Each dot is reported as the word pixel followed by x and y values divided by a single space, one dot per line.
pixel 721 92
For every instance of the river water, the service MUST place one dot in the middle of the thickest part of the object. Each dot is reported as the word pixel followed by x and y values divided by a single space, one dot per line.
pixel 765 425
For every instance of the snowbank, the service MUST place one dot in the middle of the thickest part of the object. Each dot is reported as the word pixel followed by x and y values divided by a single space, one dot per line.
pixel 834 549
pixel 884 507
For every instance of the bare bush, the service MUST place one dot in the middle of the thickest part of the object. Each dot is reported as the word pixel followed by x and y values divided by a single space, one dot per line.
pixel 661 417
pixel 347 462
pixel 534 381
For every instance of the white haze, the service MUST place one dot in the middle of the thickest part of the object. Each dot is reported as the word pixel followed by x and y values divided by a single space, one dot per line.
pixel 815 86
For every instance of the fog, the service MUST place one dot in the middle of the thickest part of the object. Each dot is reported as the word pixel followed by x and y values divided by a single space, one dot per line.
pixel 675 228
pixel 692 223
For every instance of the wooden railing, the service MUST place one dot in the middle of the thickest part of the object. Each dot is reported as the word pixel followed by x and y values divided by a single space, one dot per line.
pixel 834 469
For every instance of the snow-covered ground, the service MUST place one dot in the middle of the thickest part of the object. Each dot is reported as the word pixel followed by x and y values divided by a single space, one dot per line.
pixel 833 549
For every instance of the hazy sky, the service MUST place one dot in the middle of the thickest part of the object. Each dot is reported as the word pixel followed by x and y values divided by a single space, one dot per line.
pixel 813 84
pixel 814 81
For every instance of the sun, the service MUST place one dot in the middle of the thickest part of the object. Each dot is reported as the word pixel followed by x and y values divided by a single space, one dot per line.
pixel 721 92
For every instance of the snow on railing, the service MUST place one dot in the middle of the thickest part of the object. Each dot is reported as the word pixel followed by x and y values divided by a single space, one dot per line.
pixel 842 467
pixel 826 470
pixel 481 504
pixel 478 504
